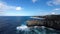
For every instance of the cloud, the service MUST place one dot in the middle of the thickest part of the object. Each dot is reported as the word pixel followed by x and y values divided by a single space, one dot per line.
pixel 18 8
pixel 34 1
pixel 49 3
pixel 55 11
pixel 5 7
pixel 56 2
pixel 53 2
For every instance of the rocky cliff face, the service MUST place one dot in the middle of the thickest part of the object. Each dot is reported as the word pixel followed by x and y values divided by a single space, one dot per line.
pixel 35 23
pixel 52 21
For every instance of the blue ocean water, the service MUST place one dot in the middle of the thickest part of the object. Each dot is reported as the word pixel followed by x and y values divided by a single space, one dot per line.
pixel 8 25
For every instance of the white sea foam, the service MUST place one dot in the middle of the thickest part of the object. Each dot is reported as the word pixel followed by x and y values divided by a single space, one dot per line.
pixel 23 28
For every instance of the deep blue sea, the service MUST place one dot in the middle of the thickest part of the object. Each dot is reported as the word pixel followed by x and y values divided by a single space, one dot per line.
pixel 8 25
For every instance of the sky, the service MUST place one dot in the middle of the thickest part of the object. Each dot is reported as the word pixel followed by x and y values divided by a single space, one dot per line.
pixel 29 7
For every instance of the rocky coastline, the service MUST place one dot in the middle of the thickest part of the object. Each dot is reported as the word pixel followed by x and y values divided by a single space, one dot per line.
pixel 51 21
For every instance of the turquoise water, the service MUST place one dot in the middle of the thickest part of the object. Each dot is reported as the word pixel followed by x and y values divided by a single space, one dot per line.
pixel 39 30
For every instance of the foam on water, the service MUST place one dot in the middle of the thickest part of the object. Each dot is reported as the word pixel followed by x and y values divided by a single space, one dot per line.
pixel 22 28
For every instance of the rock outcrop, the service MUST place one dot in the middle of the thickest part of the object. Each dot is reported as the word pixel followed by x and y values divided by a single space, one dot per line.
pixel 52 21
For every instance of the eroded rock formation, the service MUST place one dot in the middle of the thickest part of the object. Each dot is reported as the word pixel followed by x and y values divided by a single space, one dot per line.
pixel 52 21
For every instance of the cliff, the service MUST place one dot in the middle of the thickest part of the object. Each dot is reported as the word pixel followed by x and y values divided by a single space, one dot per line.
pixel 52 21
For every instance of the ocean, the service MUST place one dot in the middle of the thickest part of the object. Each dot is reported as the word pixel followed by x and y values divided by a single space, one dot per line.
pixel 8 25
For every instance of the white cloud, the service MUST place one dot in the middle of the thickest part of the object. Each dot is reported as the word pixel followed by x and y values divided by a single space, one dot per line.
pixel 53 2
pixel 55 11
pixel 5 7
pixel 49 3
pixel 34 1
pixel 18 8
pixel 56 2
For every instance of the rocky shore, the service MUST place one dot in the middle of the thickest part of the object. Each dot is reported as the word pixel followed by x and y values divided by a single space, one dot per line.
pixel 51 21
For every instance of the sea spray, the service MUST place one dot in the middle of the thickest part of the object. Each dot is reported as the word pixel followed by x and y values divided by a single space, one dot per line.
pixel 22 28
